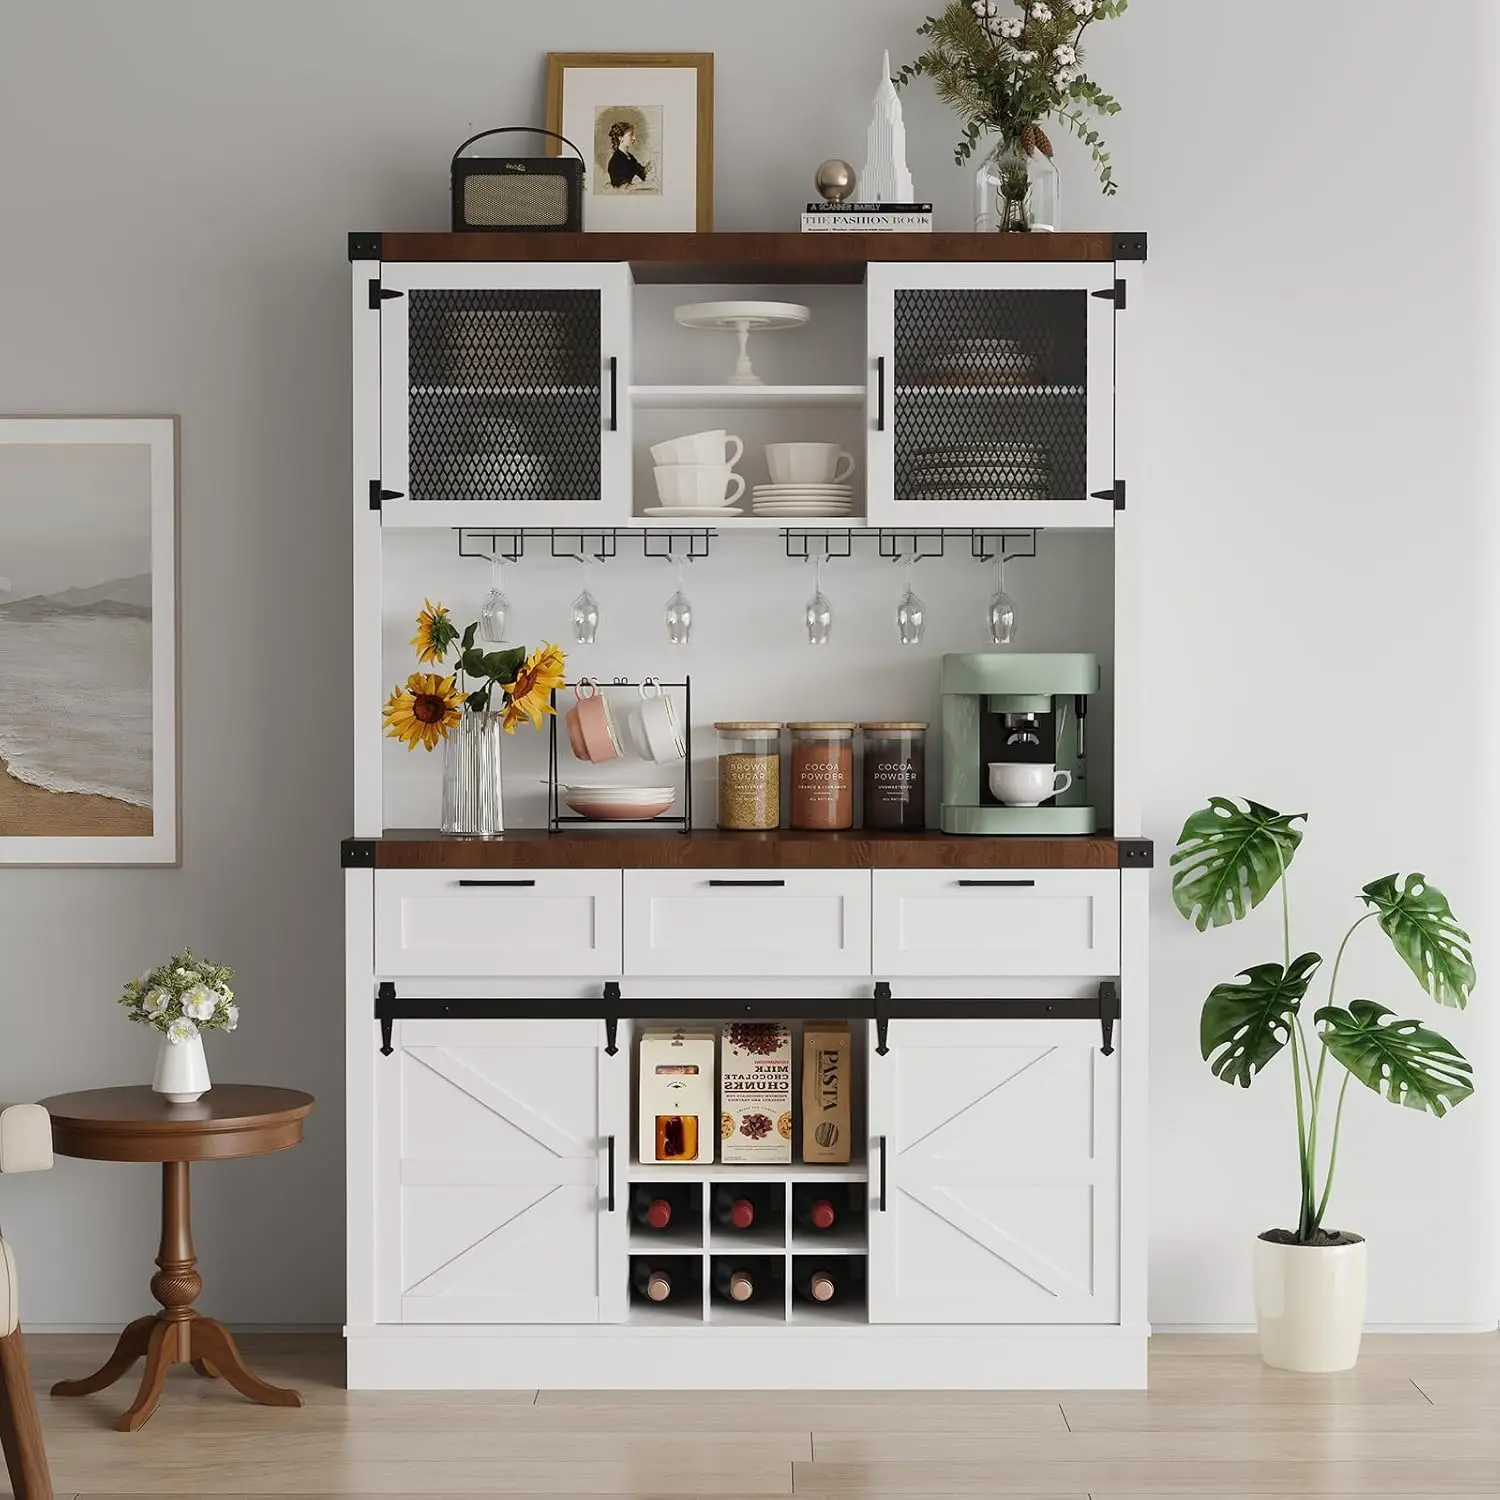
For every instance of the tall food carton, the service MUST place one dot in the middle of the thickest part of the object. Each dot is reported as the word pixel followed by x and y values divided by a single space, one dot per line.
pixel 755 1092
pixel 827 1056
pixel 676 1095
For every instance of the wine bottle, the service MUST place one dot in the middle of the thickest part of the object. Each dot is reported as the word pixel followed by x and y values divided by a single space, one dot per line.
pixel 652 1282
pixel 733 1282
pixel 816 1209
pixel 816 1283
pixel 733 1209
pixel 652 1208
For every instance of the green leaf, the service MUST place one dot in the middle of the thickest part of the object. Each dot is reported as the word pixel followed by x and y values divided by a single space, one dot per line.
pixel 1401 1060
pixel 468 640
pixel 503 665
pixel 1231 860
pixel 1245 1024
pixel 1417 920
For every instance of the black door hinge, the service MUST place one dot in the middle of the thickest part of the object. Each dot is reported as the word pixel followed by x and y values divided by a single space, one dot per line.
pixel 378 496
pixel 1137 854
pixel 611 1023
pixel 1109 1013
pixel 1115 294
pixel 385 998
pixel 1115 492
pixel 882 1021
pixel 379 294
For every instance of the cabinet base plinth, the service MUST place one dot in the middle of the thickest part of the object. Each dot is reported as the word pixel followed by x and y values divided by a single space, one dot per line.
pixel 775 1358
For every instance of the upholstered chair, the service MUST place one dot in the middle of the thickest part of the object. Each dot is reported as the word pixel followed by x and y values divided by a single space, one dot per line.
pixel 25 1146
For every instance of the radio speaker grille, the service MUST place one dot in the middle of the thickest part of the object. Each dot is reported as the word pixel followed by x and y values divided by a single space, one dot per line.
pixel 516 202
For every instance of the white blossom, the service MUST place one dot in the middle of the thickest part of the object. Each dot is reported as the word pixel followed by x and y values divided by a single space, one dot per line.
pixel 1081 7
pixel 233 1012
pixel 1041 12
pixel 199 1003
pixel 1026 58
pixel 1011 27
pixel 1066 56
pixel 156 1002
pixel 985 9
pixel 181 1030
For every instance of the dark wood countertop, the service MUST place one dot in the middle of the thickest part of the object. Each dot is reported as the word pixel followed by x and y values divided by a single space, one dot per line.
pixel 711 849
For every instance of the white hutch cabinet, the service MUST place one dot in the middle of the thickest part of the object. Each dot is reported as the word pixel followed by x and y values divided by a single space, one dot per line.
pixel 993 1232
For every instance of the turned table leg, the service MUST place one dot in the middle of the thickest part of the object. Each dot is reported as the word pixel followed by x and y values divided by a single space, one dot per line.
pixel 178 1334
pixel 20 1429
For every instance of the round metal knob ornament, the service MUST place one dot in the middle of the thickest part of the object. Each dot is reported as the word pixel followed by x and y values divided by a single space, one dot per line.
pixel 835 180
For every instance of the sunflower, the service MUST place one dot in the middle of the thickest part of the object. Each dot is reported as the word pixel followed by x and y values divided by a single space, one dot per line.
pixel 435 633
pixel 424 711
pixel 527 696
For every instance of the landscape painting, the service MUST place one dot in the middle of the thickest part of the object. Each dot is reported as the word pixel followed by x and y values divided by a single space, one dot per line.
pixel 88 641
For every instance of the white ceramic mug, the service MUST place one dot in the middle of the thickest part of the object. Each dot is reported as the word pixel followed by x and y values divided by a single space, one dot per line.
pixel 1018 784
pixel 700 448
pixel 698 484
pixel 653 725
pixel 808 463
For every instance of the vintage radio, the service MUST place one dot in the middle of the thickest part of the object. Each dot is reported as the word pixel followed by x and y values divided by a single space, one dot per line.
pixel 527 193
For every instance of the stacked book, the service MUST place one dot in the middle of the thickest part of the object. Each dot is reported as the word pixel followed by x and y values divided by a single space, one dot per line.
pixel 867 218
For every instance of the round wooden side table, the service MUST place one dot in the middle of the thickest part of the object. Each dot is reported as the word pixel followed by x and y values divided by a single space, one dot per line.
pixel 136 1124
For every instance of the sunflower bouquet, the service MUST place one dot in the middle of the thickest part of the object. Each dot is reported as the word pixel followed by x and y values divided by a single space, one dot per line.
pixel 428 709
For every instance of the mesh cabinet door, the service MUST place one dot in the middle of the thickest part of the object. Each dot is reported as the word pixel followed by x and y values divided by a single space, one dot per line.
pixel 993 393
pixel 503 394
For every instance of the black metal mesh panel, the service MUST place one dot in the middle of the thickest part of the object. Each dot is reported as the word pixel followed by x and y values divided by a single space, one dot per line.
pixel 505 395
pixel 990 395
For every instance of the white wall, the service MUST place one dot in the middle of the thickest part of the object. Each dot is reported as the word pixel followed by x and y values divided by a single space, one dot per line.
pixel 179 179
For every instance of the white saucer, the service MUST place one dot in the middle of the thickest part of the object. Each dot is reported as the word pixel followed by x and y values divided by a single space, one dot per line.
pixel 821 489
pixel 698 512
pixel 804 511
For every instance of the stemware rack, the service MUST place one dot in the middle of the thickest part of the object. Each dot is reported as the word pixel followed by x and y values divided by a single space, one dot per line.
pixel 558 821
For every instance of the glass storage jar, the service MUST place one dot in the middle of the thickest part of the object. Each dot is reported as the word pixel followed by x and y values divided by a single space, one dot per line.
pixel 749 775
pixel 895 776
pixel 822 780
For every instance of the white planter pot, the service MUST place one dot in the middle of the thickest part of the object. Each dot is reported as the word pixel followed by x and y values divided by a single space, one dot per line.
pixel 1310 1305
pixel 181 1071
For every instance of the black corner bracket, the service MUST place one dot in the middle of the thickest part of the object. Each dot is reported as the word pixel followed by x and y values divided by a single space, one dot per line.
pixel 1130 246
pixel 364 246
pixel 357 854
pixel 1137 854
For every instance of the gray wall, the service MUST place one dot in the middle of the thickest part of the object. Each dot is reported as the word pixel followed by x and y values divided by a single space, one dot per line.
pixel 178 179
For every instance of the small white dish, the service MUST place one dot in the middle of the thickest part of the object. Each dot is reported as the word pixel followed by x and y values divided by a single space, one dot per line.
pixel 698 512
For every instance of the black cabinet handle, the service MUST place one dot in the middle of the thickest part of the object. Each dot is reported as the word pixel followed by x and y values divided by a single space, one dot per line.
pixel 611 1174
pixel 1012 884
pixel 880 1141
pixel 497 882
pixel 614 393
pixel 746 882
pixel 880 394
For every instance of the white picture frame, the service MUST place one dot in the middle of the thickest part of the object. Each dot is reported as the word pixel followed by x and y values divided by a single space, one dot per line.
pixel 89 737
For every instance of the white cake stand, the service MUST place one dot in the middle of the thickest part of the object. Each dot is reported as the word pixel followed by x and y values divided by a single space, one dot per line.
pixel 743 318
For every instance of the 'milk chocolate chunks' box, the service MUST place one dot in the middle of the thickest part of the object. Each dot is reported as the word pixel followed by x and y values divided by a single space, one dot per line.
pixel 827 1057
pixel 755 1093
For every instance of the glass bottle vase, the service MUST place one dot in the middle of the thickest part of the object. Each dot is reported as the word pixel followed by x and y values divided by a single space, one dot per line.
pixel 471 775
pixel 1017 192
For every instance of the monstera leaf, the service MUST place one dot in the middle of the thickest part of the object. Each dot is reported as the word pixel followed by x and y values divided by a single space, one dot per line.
pixel 1401 1060
pixel 1230 860
pixel 1435 948
pixel 1245 1024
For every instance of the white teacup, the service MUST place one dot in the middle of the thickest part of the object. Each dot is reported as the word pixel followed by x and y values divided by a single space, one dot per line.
pixel 698 484
pixel 653 725
pixel 1018 784
pixel 700 448
pixel 809 463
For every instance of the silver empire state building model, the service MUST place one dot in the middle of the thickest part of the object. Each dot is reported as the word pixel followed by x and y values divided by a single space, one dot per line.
pixel 885 178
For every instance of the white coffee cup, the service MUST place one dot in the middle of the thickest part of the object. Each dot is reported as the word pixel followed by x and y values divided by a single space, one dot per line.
pixel 700 448
pixel 809 463
pixel 653 725
pixel 698 484
pixel 1018 784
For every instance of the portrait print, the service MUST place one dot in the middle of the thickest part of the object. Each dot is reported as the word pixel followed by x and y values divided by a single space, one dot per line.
pixel 627 148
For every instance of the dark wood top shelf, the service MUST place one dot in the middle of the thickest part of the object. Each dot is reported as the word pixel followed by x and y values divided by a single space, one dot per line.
pixel 710 849
pixel 736 257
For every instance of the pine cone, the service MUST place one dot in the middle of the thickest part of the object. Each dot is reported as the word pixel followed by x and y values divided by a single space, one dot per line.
pixel 1043 143
pixel 1029 134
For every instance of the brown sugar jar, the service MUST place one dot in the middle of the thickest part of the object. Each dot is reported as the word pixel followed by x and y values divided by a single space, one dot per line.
pixel 822 777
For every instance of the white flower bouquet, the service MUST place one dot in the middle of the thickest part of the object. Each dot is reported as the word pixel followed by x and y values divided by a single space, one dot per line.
pixel 183 997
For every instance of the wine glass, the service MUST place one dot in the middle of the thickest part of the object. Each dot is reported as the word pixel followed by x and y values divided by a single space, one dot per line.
pixel 679 612
pixel 1002 612
pixel 819 612
pixel 586 610
pixel 911 613
pixel 494 617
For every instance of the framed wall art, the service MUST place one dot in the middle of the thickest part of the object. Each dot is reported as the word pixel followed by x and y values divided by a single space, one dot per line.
pixel 644 122
pixel 88 641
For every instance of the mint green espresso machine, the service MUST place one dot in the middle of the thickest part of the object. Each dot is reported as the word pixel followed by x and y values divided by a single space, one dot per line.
pixel 1006 717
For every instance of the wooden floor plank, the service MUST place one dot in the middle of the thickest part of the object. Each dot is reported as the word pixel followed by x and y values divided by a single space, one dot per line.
pixel 1178 1414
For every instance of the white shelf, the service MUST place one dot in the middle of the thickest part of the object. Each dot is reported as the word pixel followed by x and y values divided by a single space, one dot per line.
pixel 688 1241
pixel 721 1172
pixel 681 1310
pixel 850 1312
pixel 758 1239
pixel 723 1313
pixel 749 523
pixel 833 1242
pixel 744 397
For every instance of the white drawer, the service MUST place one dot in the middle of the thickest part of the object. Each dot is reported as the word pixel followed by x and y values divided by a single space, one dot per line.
pixel 497 923
pixel 980 923
pixel 703 922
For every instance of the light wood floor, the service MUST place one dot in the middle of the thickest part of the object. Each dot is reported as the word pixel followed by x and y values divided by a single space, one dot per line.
pixel 1420 1417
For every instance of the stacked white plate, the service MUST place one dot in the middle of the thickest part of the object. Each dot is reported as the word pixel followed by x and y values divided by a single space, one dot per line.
pixel 983 471
pixel 802 501
pixel 619 803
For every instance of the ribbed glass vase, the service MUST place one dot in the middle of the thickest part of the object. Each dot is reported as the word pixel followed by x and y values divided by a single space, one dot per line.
pixel 1016 191
pixel 471 775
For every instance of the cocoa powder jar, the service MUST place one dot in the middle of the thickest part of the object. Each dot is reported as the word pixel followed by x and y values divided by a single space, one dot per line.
pixel 895 776
pixel 822 776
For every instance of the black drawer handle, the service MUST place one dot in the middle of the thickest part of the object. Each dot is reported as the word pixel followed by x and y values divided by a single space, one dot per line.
pixel 881 1143
pixel 611 1174
pixel 880 394
pixel 614 393
pixel 1009 884
pixel 497 882
pixel 746 882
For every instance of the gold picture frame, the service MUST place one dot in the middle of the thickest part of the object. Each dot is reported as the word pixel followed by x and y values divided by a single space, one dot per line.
pixel 635 132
